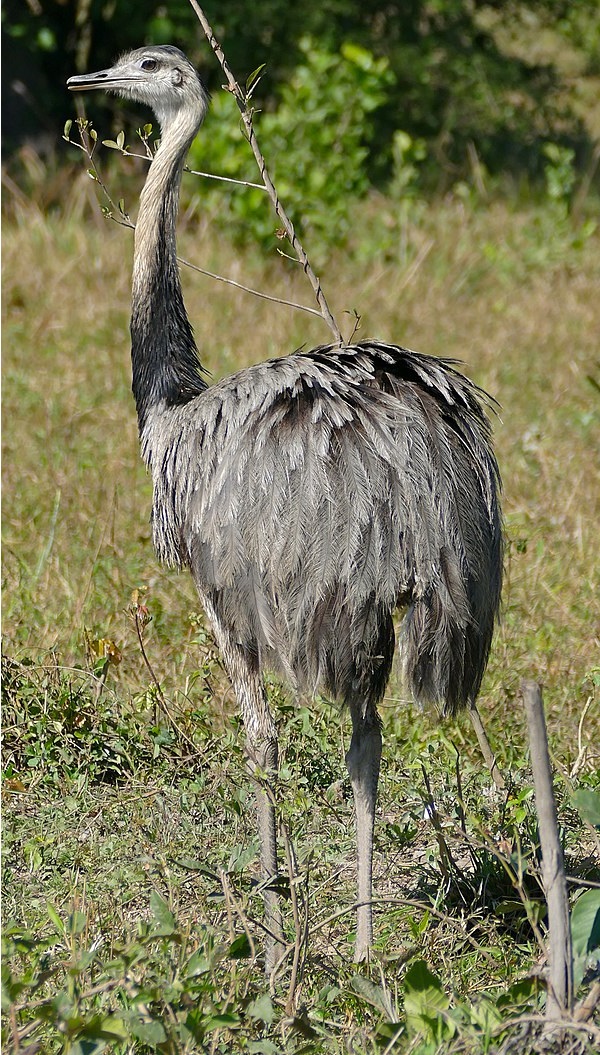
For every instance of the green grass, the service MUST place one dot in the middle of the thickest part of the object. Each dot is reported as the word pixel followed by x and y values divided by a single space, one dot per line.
pixel 131 905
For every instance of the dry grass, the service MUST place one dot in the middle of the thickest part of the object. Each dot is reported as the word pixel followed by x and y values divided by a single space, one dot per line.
pixel 76 538
pixel 506 292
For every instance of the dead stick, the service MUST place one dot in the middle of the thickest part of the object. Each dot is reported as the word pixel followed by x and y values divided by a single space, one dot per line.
pixel 484 746
pixel 560 954
pixel 246 112
pixel 586 1007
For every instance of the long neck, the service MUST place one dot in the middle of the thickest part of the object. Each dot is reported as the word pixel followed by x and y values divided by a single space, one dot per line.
pixel 165 363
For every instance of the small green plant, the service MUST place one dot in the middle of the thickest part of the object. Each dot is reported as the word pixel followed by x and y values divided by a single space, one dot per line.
pixel 57 728
pixel 161 990
pixel 560 174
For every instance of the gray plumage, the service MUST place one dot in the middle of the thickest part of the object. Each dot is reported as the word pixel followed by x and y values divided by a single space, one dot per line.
pixel 311 497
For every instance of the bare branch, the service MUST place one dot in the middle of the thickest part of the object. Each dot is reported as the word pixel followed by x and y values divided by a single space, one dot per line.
pixel 248 289
pixel 247 112
pixel 225 179
pixel 560 954
pixel 484 746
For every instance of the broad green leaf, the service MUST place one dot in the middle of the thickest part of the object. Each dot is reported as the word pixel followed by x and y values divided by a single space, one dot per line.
pixel 77 922
pixel 191 864
pixel 587 802
pixel 424 1003
pixel 114 1026
pixel 585 933
pixel 55 918
pixel 585 923
pixel 262 1008
pixel 222 1021
pixel 522 993
pixel 162 914
pixel 240 947
pixel 198 963
pixel 374 994
pixel 150 1031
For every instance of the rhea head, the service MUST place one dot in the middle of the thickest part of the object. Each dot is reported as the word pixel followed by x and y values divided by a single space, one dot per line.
pixel 159 75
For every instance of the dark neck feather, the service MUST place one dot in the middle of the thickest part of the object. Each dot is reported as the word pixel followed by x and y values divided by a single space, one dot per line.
pixel 165 362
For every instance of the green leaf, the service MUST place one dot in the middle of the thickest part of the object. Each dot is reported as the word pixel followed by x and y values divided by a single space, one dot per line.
pixel 150 1031
pixel 262 1008
pixel 374 994
pixel 162 914
pixel 113 1026
pixel 522 994
pixel 197 964
pixel 67 130
pixel 424 1003
pixel 240 947
pixel 585 933
pixel 87 1046
pixel 191 864
pixel 264 1047
pixel 587 802
pixel 585 923
pixel 55 918
pixel 253 79
pixel 241 856
pixel 77 922
pixel 221 1021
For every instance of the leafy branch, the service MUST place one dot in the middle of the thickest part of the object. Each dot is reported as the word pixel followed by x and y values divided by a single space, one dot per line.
pixel 116 211
pixel 243 100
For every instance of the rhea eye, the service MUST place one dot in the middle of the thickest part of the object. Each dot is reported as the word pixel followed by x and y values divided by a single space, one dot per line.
pixel 148 65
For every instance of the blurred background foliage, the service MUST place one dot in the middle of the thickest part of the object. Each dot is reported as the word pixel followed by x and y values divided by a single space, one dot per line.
pixel 506 76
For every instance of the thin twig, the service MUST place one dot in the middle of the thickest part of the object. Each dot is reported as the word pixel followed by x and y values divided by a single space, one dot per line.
pixel 141 618
pixel 233 905
pixel 300 927
pixel 447 863
pixel 225 179
pixel 248 289
pixel 588 1004
pixel 120 217
pixel 484 746
pixel 139 626
pixel 400 902
pixel 247 113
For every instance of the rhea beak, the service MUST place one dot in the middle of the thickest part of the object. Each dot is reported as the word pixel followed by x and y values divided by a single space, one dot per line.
pixel 111 79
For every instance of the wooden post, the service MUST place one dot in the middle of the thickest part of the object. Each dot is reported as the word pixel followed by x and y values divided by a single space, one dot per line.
pixel 560 953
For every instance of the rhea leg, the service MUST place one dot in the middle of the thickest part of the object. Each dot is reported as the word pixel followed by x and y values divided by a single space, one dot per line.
pixel 262 749
pixel 262 752
pixel 363 759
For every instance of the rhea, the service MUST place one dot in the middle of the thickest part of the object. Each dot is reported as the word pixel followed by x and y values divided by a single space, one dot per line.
pixel 311 496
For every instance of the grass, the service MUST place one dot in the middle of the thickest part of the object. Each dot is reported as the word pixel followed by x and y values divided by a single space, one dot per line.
pixel 131 907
